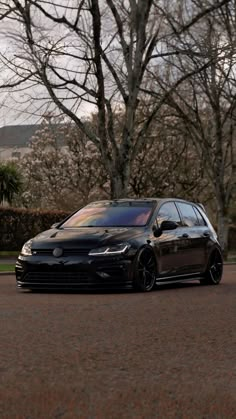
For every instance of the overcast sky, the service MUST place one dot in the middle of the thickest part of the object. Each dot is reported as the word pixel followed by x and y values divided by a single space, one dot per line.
pixel 17 107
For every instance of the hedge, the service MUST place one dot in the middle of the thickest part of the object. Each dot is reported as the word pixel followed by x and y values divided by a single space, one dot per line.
pixel 19 225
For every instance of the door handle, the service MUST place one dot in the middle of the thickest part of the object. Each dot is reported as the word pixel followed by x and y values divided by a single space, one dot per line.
pixel 206 233
pixel 185 236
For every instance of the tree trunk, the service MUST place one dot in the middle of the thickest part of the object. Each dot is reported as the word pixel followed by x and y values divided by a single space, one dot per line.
pixel 119 181
pixel 223 230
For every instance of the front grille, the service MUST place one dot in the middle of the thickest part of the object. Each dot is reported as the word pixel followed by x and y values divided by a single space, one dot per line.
pixel 64 280
pixel 56 277
pixel 66 252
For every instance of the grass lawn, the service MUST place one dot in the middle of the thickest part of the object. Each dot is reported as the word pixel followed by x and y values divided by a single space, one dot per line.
pixel 4 268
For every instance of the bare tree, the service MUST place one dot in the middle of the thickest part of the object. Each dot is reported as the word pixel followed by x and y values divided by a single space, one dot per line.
pixel 99 54
pixel 206 102
pixel 169 166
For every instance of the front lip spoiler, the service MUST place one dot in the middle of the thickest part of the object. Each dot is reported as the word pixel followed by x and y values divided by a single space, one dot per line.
pixel 128 285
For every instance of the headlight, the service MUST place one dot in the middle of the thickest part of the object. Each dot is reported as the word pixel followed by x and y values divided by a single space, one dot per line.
pixel 117 249
pixel 26 249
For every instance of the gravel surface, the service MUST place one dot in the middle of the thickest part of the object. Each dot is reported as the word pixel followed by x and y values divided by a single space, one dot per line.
pixel 166 354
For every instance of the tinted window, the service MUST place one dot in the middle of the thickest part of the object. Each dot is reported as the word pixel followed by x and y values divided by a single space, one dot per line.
pixel 111 214
pixel 168 211
pixel 188 214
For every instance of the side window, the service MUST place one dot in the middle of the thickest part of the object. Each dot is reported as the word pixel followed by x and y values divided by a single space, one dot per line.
pixel 168 211
pixel 188 214
pixel 200 218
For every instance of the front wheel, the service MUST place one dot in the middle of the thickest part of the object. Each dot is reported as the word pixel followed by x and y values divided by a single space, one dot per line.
pixel 214 270
pixel 145 270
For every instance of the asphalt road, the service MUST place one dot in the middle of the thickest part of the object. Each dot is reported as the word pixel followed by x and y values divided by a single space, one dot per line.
pixel 166 354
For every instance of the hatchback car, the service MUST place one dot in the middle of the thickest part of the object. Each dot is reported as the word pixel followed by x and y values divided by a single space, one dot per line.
pixel 132 243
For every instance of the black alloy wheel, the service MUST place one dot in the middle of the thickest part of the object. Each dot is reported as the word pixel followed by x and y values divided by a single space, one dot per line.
pixel 214 271
pixel 145 271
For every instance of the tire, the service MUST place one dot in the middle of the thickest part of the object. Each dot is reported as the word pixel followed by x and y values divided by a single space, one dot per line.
pixel 214 270
pixel 145 270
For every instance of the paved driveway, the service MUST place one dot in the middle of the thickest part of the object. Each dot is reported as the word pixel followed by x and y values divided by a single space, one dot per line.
pixel 166 354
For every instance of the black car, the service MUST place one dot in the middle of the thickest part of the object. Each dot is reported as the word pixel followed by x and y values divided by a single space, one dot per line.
pixel 133 243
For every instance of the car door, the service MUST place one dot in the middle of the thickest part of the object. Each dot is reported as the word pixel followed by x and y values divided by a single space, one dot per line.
pixel 170 243
pixel 196 238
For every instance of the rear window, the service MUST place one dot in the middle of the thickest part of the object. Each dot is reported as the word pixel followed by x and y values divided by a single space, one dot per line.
pixel 111 214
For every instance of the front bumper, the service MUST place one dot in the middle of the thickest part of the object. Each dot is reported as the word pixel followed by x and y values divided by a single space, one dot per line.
pixel 75 272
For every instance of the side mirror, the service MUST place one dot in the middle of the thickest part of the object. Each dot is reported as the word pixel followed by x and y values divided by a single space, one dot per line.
pixel 165 225
pixel 157 231
pixel 168 225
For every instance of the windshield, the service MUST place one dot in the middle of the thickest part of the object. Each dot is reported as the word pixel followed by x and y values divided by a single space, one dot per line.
pixel 111 214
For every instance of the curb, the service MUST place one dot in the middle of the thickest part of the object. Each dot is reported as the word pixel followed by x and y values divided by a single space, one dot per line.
pixel 2 273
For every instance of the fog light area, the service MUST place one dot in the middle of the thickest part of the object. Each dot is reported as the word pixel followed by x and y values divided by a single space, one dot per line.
pixel 103 274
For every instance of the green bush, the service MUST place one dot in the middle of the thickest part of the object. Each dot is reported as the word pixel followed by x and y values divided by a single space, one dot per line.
pixel 19 225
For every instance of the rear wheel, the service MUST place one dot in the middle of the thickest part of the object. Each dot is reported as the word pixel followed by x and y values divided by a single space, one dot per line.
pixel 145 270
pixel 214 271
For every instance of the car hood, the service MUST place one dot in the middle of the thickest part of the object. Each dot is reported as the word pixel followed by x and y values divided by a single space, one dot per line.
pixel 84 237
